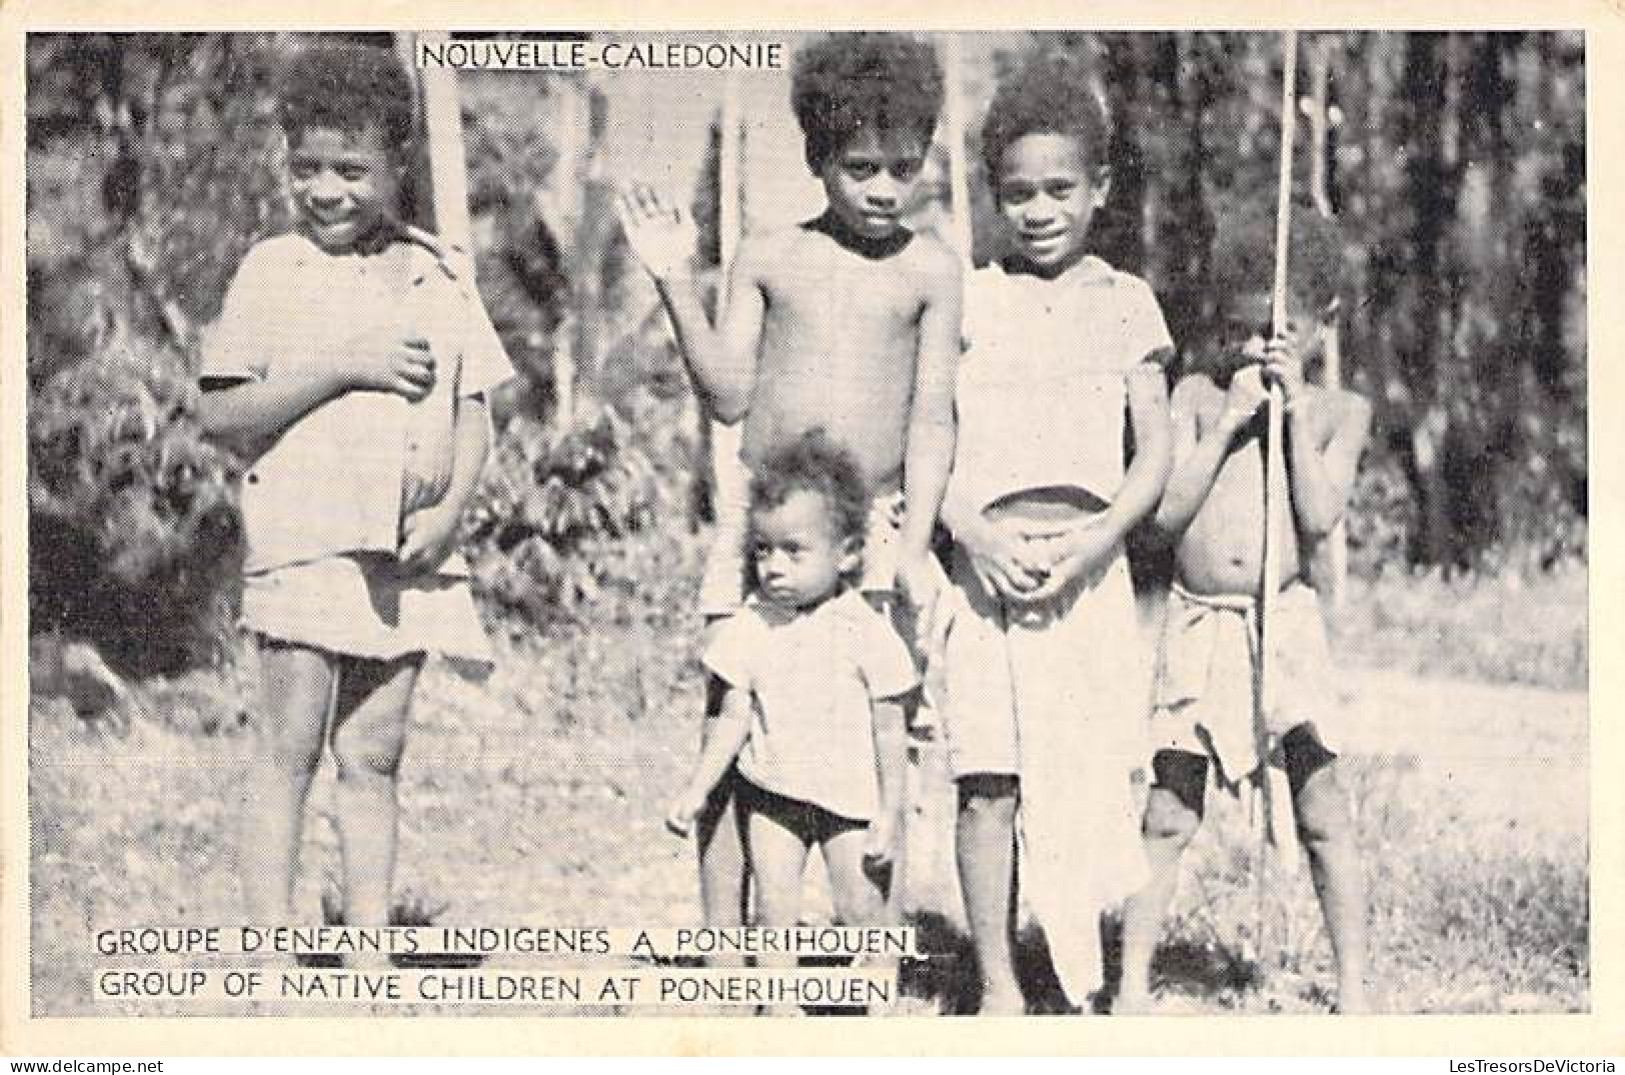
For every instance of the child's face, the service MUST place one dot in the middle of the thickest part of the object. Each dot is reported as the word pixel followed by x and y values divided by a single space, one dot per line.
pixel 1243 330
pixel 344 185
pixel 799 557
pixel 870 182
pixel 1048 193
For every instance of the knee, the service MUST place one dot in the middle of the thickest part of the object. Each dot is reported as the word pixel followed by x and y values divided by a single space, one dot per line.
pixel 1166 818
pixel 988 796
pixel 360 756
pixel 290 753
pixel 1324 815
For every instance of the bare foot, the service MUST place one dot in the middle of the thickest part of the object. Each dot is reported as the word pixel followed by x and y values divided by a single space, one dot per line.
pixel 1133 1004
pixel 1002 1001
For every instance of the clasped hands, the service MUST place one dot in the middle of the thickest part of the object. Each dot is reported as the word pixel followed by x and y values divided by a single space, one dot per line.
pixel 1027 562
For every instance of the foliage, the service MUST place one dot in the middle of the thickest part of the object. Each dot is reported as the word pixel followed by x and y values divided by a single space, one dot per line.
pixel 1455 164
pixel 134 532
pixel 554 503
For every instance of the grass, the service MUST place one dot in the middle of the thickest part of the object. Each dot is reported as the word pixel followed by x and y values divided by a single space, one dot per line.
pixel 1507 627
pixel 536 798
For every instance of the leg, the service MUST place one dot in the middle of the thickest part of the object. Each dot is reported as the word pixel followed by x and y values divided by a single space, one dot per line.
pixel 1325 821
pixel 1173 812
pixel 724 889
pixel 296 689
pixel 369 736
pixel 986 849
pixel 859 892
pixel 779 831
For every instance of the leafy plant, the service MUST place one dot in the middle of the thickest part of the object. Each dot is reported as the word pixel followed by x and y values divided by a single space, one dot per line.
pixel 135 534
pixel 551 501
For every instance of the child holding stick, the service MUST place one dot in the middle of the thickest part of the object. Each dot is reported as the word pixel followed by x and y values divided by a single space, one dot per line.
pixel 1214 510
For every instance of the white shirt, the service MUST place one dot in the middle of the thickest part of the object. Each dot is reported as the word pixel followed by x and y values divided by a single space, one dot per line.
pixel 814 678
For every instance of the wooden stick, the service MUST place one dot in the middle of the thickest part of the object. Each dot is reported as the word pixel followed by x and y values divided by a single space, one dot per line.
pixel 448 167
pixel 953 64
pixel 1269 583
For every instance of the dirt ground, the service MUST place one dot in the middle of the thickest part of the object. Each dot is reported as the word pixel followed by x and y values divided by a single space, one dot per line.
pixel 536 798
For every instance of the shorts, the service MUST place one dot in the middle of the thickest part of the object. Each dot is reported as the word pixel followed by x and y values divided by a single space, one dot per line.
pixel 811 822
pixel 1205 674
pixel 360 606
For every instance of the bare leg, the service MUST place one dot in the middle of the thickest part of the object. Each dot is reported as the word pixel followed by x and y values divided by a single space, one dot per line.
pixel 724 865
pixel 369 736
pixel 985 843
pixel 296 688
pixel 859 891
pixel 1326 827
pixel 778 854
pixel 1169 826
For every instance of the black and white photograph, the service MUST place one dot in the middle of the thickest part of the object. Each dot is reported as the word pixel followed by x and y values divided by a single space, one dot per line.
pixel 1077 525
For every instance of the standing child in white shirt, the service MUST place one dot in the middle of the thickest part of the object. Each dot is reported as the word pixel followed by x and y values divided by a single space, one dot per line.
pixel 349 370
pixel 815 683
pixel 1046 685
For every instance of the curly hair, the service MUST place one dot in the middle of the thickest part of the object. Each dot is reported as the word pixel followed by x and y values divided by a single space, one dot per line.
pixel 1244 255
pixel 849 82
pixel 814 463
pixel 1052 93
pixel 347 87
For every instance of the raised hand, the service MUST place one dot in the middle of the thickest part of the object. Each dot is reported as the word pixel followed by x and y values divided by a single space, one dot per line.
pixel 661 235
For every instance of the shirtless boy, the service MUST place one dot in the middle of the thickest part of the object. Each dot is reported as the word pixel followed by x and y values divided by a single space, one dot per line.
pixel 1214 509
pixel 847 322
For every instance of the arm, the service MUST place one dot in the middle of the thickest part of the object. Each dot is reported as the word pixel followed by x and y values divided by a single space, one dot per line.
pixel 722 746
pixel 890 749
pixel 1093 544
pixel 1321 475
pixel 1147 473
pixel 722 359
pixel 251 414
pixel 929 448
pixel 1197 459
pixel 430 534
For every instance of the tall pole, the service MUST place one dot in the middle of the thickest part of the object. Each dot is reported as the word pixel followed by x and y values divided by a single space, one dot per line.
pixel 953 63
pixel 729 480
pixel 1275 485
pixel 448 167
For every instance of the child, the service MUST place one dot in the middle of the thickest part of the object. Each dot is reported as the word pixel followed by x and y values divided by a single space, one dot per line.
pixel 814 679
pixel 1045 684
pixel 847 322
pixel 1214 509
pixel 349 368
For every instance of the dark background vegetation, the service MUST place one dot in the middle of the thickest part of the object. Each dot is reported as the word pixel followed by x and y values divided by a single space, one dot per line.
pixel 1454 162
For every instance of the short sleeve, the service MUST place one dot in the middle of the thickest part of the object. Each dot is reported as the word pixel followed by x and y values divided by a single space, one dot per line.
pixel 1146 332
pixel 888 668
pixel 731 653
pixel 485 361
pixel 234 347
